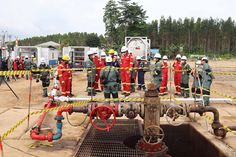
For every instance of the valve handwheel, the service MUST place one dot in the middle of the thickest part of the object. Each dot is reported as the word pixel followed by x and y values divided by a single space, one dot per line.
pixel 176 115
pixel 153 134
pixel 103 113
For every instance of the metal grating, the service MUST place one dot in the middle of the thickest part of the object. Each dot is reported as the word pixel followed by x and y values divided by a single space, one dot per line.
pixel 110 144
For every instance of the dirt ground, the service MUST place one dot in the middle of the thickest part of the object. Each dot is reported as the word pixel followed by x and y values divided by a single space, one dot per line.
pixel 12 110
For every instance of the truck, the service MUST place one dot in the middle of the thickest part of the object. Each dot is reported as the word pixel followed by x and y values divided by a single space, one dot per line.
pixel 139 46
pixel 78 54
pixel 50 55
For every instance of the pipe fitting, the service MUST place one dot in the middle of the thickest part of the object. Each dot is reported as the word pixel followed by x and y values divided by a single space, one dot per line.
pixel 50 136
pixel 59 117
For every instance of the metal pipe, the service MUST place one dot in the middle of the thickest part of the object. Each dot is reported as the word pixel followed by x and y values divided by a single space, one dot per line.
pixel 58 134
pixel 83 109
pixel 66 99
pixel 233 128
pixel 216 125
pixel 35 132
pixel 192 100
pixel 41 118
pixel 202 110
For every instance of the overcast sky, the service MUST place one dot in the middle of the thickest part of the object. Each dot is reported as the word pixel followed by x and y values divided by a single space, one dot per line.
pixel 26 18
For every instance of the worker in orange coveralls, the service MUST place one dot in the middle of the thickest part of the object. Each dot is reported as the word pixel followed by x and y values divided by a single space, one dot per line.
pixel 163 88
pixel 102 64
pixel 65 76
pixel 177 73
pixel 96 62
pixel 126 65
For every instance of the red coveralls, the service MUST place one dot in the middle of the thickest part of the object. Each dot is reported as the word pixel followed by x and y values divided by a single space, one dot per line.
pixel 15 64
pixel 96 62
pixel 21 66
pixel 126 64
pixel 163 88
pixel 65 77
pixel 102 64
pixel 177 75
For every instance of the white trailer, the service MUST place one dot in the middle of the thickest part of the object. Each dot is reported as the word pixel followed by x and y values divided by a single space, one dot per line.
pixel 50 55
pixel 139 46
pixel 78 54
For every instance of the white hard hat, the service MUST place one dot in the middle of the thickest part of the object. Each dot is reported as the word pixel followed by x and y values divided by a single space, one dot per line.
pixel 18 57
pixel 204 58
pixel 115 53
pixel 157 55
pixel 95 52
pixel 124 49
pixel 108 59
pixel 198 62
pixel 183 58
pixel 165 57
pixel 178 56
pixel 32 56
pixel 90 53
pixel 103 53
pixel 26 57
pixel 138 57
pixel 42 60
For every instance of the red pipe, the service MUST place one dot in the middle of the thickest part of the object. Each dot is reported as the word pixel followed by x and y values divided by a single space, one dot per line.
pixel 41 118
pixel 35 132
pixel 67 109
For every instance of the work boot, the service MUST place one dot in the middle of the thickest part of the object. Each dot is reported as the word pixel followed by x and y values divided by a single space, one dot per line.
pixel 91 94
pixel 45 92
pixel 127 94
pixel 123 93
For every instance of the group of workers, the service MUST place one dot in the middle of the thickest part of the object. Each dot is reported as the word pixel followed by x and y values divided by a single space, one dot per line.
pixel 118 72
pixel 202 74
pixel 28 63
pixel 112 73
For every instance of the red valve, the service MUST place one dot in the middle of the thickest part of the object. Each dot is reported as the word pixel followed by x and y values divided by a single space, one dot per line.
pixel 103 113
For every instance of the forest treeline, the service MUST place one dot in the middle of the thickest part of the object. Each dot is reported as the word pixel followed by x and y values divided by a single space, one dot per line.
pixel 125 18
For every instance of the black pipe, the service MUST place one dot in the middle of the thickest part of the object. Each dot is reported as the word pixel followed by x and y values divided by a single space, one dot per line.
pixel 216 125
pixel 233 128
pixel 202 110
pixel 83 109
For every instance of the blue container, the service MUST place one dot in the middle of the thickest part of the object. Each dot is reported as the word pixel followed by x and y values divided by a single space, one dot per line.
pixel 53 62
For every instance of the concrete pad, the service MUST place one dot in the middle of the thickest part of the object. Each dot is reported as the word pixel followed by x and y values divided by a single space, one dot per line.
pixel 64 148
pixel 3 109
pixel 12 117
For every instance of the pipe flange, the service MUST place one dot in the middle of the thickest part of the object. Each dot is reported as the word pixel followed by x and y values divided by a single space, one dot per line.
pixel 59 118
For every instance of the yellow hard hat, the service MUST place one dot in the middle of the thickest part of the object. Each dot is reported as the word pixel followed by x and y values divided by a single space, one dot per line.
pixel 111 51
pixel 66 58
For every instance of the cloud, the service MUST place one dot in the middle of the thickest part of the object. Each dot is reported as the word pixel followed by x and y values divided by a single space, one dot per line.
pixel 26 18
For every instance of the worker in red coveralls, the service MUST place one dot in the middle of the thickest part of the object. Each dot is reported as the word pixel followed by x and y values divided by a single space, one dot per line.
pixel 102 64
pixel 96 62
pixel 65 76
pixel 126 65
pixel 163 88
pixel 177 73
pixel 15 65
pixel 21 65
